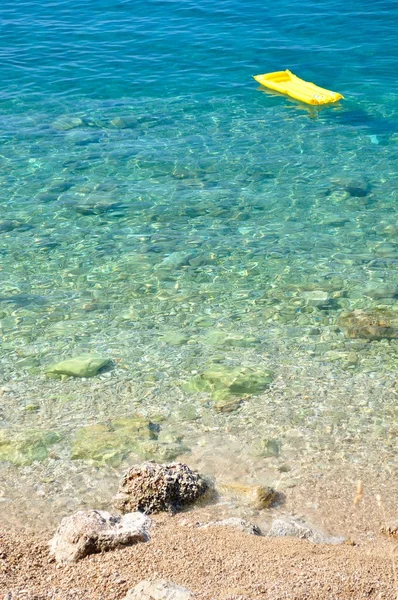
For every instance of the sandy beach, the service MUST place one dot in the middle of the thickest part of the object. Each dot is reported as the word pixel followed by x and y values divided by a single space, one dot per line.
pixel 214 563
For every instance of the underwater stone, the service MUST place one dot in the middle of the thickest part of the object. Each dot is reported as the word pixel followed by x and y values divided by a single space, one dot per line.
pixel 153 487
pixel 357 188
pixel 22 450
pixel 258 496
pixel 236 523
pixel 97 206
pixel 286 526
pixel 378 291
pixel 66 123
pixel 111 443
pixel 160 451
pixel 85 365
pixel 175 260
pixel 316 298
pixel 223 338
pixel 227 405
pixel 222 382
pixel 26 363
pixel 7 225
pixel 175 338
pixel 372 325
pixel 268 448
pixel 126 122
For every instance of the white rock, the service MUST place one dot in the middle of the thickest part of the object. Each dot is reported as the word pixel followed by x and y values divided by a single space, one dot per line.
pixel 158 589
pixel 235 522
pixel 90 531
pixel 295 527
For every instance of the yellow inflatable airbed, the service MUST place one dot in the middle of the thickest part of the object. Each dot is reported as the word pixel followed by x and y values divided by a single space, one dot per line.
pixel 290 85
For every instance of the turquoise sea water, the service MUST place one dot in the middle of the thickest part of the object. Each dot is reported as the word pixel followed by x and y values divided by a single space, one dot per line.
pixel 159 208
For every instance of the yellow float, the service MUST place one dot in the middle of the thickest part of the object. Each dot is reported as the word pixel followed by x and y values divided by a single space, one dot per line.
pixel 286 83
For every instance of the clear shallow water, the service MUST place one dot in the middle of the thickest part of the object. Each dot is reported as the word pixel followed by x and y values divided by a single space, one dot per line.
pixel 149 188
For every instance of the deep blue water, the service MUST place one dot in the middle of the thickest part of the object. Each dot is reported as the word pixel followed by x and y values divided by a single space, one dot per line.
pixel 110 50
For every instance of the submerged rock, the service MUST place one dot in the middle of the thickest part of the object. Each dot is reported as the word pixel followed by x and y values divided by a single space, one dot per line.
pixel 377 291
pixel 8 225
pixel 91 531
pixel 67 122
pixel 356 188
pixel 153 487
pixel 175 260
pixel 372 325
pixel 126 122
pixel 161 451
pixel 110 443
pixel 258 496
pixel 268 448
pixel 175 338
pixel 224 339
pixel 158 589
pixel 318 298
pixel 27 448
pixel 85 365
pixel 295 527
pixel 223 382
pixel 236 523
pixel 97 205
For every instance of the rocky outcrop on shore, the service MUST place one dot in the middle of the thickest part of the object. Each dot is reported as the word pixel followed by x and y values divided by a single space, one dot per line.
pixel 91 531
pixel 152 487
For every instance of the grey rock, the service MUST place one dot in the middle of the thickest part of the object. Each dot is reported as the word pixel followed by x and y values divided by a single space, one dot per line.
pixel 356 188
pixel 237 523
pixel 91 531
pixel 66 122
pixel 97 205
pixel 296 527
pixel 153 487
pixel 8 225
pixel 316 298
pixel 126 122
pixel 175 260
pixel 158 589
pixel 377 291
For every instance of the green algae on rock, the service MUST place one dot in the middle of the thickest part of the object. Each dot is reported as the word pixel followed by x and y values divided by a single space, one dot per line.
pixel 223 383
pixel 111 443
pixel 85 365
pixel 24 449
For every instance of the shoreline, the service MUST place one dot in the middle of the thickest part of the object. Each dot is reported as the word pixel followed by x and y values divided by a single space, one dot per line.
pixel 310 437
pixel 214 563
